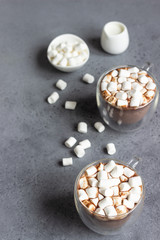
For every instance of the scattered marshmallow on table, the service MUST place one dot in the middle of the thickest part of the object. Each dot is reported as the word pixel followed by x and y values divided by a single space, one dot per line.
pixel 82 127
pixel 88 78
pixel 71 105
pixel 99 126
pixel 70 142
pixel 85 144
pixel 67 161
pixel 53 98
pixel 61 84
pixel 79 151
pixel 111 148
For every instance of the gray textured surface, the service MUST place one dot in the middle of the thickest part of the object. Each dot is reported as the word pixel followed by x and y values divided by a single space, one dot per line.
pixel 36 192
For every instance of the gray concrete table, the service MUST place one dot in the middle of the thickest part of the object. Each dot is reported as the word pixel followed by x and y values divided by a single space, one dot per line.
pixel 36 192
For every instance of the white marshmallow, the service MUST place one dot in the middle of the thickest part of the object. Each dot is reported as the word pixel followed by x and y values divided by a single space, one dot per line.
pixel 110 211
pixel 74 54
pixel 134 75
pixel 119 86
pixel 85 144
pixel 93 182
pixel 91 171
pixel 92 192
pixel 83 183
pixel 99 126
pixel 108 183
pixel 88 78
pixel 135 181
pixel 124 73
pixel 53 98
pixel 52 53
pixel 112 86
pixel 115 190
pixel 117 171
pixel 82 127
pixel 133 70
pixel 104 86
pixel 136 86
pixel 68 55
pixel 123 178
pixel 124 194
pixel 131 80
pixel 100 196
pixel 121 103
pixel 102 175
pixel 57 59
pixel 117 201
pixel 111 148
pixel 122 79
pixel 63 62
pixel 79 151
pixel 142 72
pixel 128 172
pixel 150 93
pixel 61 84
pixel 134 197
pixel 124 187
pixel 94 201
pixel 136 190
pixel 135 102
pixel 121 209
pixel 78 59
pixel 100 167
pixel 143 79
pixel 107 192
pixel 71 105
pixel 67 161
pixel 107 201
pixel 134 93
pixel 107 78
pixel 150 85
pixel 82 195
pixel 68 48
pixel 109 166
pixel 72 61
pixel 100 211
pixel 121 95
pixel 126 85
pixel 70 142
pixel 128 204
pixel 114 73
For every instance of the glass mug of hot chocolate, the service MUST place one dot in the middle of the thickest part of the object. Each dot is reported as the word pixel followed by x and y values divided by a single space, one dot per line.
pixel 127 96
pixel 109 195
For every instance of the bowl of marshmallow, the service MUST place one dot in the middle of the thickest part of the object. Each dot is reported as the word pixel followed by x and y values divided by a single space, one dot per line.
pixel 68 52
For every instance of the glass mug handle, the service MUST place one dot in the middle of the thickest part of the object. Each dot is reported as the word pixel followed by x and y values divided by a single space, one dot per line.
pixel 134 162
pixel 147 66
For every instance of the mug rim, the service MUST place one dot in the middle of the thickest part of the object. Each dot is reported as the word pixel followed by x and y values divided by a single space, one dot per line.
pixel 112 22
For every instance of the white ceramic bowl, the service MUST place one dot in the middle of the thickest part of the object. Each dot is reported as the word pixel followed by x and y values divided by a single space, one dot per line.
pixel 68 38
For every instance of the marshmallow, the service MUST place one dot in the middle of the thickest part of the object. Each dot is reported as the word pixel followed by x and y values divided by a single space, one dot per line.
pixel 135 102
pixel 79 151
pixel 92 192
pixel 85 144
pixel 136 86
pixel 107 78
pixel 126 85
pixel 109 166
pixel 134 75
pixel 135 93
pixel 131 80
pixel 150 85
pixel 114 73
pixel 100 167
pixel 117 201
pixel 74 54
pixel 67 161
pixel 61 84
pixel 104 86
pixel 82 127
pixel 134 197
pixel 102 175
pixel 91 170
pixel 72 61
pixel 99 126
pixel 122 103
pixel 107 201
pixel 94 201
pixel 52 54
pixel 124 73
pixel 100 196
pixel 53 98
pixel 112 86
pixel 143 72
pixel 124 194
pixel 111 148
pixel 71 105
pixel 117 171
pixel 119 86
pixel 100 211
pixel 108 183
pixel 124 187
pixel 93 182
pixel 57 59
pixel 133 70
pixel 110 211
pixel 83 183
pixel 107 192
pixel 121 209
pixel 128 204
pixel 143 79
pixel 136 190
pixel 89 205
pixel 88 78
pixel 135 181
pixel 123 178
pixel 121 95
pixel 68 55
pixel 128 172
pixel 115 190
pixel 82 195
pixel 70 142
pixel 63 62
pixel 150 93
pixel 122 79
